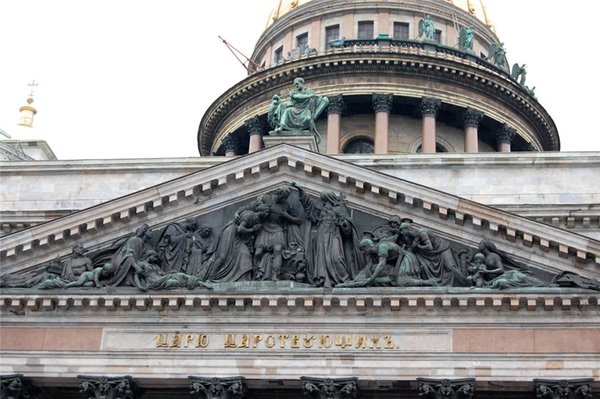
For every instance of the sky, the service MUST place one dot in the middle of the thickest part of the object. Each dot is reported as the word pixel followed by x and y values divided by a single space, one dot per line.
pixel 132 78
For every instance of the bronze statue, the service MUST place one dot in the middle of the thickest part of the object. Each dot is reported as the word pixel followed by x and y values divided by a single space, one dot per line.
pixel 426 29
pixel 466 34
pixel 77 264
pixel 297 117
pixel 93 277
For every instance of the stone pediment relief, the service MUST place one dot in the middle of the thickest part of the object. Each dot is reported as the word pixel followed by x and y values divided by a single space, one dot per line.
pixel 286 217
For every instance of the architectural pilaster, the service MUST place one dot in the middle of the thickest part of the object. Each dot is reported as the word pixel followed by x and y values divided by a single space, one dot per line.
pixel 334 123
pixel 505 137
pixel 230 145
pixel 429 108
pixel 256 129
pixel 382 105
pixel 461 388
pixel 330 388
pixel 218 388
pixel 471 119
pixel 109 387
pixel 563 389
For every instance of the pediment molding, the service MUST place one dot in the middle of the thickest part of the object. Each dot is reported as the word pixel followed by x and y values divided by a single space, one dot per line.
pixel 243 178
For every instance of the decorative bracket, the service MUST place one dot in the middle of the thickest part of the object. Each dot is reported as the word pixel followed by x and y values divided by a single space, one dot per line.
pixel 109 387
pixel 218 388
pixel 461 388
pixel 563 389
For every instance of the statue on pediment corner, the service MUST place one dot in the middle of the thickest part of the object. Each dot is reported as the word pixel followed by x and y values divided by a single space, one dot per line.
pixel 49 278
pixel 297 117
pixel 333 255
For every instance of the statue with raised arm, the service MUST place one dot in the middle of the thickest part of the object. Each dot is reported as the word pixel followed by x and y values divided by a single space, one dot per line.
pixel 426 29
pixel 297 117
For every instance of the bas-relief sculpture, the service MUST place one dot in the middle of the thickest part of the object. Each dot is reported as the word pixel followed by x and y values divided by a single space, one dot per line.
pixel 296 117
pixel 287 234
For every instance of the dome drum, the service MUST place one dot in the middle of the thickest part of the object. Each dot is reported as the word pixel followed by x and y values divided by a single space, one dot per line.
pixel 408 74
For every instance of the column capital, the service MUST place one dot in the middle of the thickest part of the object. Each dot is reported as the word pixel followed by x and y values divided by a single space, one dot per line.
pixel 219 388
pixel 506 134
pixel 382 102
pixel 563 389
pixel 230 144
pixel 330 388
pixel 104 387
pixel 255 125
pixel 459 388
pixel 14 386
pixel 336 104
pixel 429 106
pixel 471 117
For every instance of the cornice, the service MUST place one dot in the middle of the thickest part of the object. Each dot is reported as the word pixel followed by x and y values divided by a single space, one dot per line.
pixel 535 243
pixel 400 300
pixel 406 62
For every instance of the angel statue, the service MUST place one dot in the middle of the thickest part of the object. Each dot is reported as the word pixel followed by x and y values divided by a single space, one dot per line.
pixel 426 29
pixel 465 38
pixel 496 55
pixel 519 73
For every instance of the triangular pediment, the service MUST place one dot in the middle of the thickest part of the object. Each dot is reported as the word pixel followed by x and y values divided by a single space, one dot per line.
pixel 212 196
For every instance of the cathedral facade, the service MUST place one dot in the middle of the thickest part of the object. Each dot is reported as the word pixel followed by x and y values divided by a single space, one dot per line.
pixel 379 210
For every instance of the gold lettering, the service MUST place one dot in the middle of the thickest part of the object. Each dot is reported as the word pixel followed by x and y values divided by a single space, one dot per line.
pixel 161 341
pixel 389 344
pixel 201 341
pixel 270 341
pixel 176 343
pixel 257 339
pixel 308 341
pixel 245 343
pixel 282 338
pixel 187 339
pixel 325 341
pixel 230 341
pixel 374 342
pixel 342 341
pixel 294 341
pixel 361 341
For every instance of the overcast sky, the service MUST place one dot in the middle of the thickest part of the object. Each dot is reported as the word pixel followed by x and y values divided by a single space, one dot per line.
pixel 132 78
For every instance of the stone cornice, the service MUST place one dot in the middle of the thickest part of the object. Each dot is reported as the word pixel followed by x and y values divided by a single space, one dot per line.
pixel 199 193
pixel 394 299
pixel 409 62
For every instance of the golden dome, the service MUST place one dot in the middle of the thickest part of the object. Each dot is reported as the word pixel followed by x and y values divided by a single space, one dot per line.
pixel 474 7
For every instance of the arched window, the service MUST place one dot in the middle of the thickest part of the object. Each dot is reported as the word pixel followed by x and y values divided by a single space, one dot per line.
pixel 359 145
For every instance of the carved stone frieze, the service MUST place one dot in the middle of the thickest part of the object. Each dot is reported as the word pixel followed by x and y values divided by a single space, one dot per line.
pixel 382 102
pixel 104 387
pixel 330 388
pixel 461 388
pixel 218 388
pixel 563 389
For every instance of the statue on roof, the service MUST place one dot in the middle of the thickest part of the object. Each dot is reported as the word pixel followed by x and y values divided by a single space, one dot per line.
pixel 297 117
pixel 497 55
pixel 466 34
pixel 519 73
pixel 427 29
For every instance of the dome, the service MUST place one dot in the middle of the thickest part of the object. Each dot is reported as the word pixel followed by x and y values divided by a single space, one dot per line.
pixel 474 7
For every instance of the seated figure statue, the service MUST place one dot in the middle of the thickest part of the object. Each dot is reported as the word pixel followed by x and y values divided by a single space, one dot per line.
pixel 298 115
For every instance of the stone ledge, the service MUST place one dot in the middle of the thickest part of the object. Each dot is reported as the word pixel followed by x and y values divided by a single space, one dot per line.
pixel 394 299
